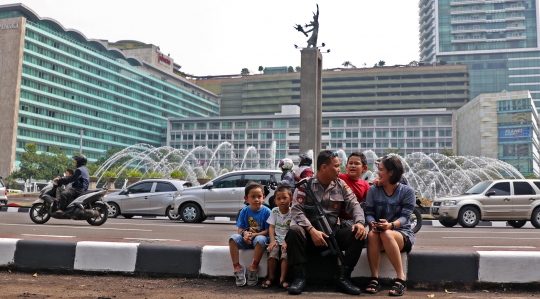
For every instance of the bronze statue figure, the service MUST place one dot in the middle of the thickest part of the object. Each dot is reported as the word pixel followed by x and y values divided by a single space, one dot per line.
pixel 312 41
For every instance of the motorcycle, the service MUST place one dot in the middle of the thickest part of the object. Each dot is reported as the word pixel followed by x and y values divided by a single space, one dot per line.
pixel 89 206
pixel 416 216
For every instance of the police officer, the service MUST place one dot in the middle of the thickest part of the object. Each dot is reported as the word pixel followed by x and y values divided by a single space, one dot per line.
pixel 332 193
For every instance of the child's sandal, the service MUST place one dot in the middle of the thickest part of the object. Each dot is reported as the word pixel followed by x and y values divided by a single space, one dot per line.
pixel 268 282
pixel 398 288
pixel 282 284
pixel 373 287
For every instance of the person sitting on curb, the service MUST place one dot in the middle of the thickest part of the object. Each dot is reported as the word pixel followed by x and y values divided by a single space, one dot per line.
pixel 252 234
pixel 332 193
pixel 280 222
pixel 388 210
pixel 356 166
pixel 304 168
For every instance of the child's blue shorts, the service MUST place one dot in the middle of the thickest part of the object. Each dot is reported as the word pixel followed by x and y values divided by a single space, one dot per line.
pixel 241 244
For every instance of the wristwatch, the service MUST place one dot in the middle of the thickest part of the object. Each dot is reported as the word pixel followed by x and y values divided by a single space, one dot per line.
pixel 393 226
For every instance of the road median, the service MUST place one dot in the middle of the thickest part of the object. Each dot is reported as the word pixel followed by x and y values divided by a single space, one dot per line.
pixel 423 267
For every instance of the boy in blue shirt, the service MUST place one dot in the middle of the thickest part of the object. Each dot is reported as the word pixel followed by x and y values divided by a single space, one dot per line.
pixel 252 234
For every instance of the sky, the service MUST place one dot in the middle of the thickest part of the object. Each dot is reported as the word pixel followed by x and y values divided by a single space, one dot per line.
pixel 218 37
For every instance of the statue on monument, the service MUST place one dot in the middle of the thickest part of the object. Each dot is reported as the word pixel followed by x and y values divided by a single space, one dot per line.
pixel 312 41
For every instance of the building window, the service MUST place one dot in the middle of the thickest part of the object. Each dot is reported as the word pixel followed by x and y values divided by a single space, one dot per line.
pixel 337 135
pixel 381 134
pixel 429 121
pixel 253 124
pixel 240 125
pixel 294 124
pixel 367 134
pixel 337 123
pixel 367 122
pixel 189 126
pixel 214 126
pixel 226 125
pixel 352 122
pixel 351 134
pixel 460 28
pixel 398 122
pixel 267 124
pixel 325 123
pixel 280 124
pixel 201 126
pixel 382 122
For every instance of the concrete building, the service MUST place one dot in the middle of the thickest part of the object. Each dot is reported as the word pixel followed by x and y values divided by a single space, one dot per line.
pixel 56 82
pixel 497 40
pixel 503 126
pixel 361 89
pixel 426 130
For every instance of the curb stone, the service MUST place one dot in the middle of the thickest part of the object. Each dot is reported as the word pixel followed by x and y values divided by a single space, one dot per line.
pixel 517 268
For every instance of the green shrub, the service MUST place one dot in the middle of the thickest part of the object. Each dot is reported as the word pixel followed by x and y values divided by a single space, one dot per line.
pixel 178 174
pixel 134 174
pixel 110 174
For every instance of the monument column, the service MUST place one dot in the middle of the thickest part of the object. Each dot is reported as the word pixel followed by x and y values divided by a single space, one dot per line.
pixel 311 102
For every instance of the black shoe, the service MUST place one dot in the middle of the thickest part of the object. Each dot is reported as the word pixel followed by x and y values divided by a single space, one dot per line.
pixel 299 283
pixel 343 282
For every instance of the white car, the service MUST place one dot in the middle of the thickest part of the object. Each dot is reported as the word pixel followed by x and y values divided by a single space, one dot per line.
pixel 222 196
pixel 146 197
pixel 3 193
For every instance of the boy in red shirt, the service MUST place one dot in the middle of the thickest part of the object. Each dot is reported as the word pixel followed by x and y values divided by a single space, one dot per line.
pixel 356 165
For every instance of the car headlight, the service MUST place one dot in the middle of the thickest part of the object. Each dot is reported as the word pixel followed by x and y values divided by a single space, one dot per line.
pixel 449 202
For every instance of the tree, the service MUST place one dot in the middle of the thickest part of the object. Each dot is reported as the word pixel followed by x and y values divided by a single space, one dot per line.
pixel 261 68
pixel 413 63
pixel 381 63
pixel 298 69
pixel 447 152
pixel 244 72
pixel 29 166
pixel 290 69
pixel 54 163
pixel 348 64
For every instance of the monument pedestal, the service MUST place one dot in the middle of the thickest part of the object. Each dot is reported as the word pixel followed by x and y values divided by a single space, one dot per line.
pixel 311 102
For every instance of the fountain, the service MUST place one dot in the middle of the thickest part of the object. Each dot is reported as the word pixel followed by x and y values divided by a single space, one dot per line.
pixel 434 175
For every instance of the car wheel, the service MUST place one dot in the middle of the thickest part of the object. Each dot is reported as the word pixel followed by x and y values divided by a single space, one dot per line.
pixel 416 220
pixel 128 216
pixel 448 223
pixel 517 223
pixel 170 213
pixel 190 213
pixel 535 218
pixel 114 210
pixel 468 217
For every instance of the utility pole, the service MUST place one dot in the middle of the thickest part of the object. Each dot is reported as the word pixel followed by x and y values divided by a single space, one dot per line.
pixel 81 132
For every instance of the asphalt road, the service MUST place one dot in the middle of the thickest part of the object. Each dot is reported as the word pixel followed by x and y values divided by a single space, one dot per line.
pixel 211 232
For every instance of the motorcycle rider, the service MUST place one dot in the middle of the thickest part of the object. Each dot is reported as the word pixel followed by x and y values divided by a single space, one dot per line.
pixel 80 181
pixel 304 169
pixel 287 176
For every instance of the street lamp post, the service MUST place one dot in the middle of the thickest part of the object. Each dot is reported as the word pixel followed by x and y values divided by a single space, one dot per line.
pixel 81 132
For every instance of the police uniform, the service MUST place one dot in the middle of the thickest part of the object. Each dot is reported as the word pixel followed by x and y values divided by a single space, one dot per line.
pixel 336 194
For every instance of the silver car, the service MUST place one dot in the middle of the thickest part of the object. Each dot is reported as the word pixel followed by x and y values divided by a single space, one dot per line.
pixel 146 197
pixel 222 196
pixel 515 201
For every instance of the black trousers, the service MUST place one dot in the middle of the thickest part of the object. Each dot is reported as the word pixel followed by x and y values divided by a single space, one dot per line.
pixel 66 197
pixel 299 243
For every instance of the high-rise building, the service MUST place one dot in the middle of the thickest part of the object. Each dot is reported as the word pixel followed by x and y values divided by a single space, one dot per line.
pixel 56 82
pixel 344 90
pixel 497 40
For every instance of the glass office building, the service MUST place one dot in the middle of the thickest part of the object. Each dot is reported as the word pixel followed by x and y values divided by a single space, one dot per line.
pixel 497 40
pixel 427 130
pixel 56 82
pixel 503 126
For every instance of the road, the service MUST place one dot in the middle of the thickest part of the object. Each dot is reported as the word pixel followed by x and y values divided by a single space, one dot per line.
pixel 211 232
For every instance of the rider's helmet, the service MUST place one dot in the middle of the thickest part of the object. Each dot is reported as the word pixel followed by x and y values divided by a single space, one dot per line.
pixel 286 164
pixel 80 159
pixel 305 160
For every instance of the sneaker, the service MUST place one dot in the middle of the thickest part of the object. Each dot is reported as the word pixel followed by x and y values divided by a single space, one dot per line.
pixel 240 277
pixel 253 277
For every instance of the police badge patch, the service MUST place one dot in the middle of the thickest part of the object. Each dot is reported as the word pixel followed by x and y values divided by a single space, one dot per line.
pixel 300 196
